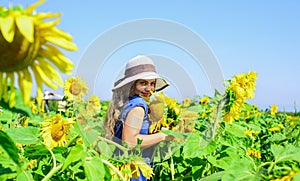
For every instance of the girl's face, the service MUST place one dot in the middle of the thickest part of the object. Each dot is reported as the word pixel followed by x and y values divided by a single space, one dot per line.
pixel 144 87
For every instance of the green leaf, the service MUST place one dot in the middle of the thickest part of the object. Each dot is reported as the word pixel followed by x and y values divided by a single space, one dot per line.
pixel 4 170
pixel 254 127
pixel 173 133
pixel 224 159
pixel 9 146
pixel 76 153
pixel 194 146
pixel 236 130
pixel 296 177
pixel 35 151
pixel 94 169
pixel 106 150
pixel 277 137
pixel 240 169
pixel 287 153
pixel 88 136
pixel 193 108
pixel 24 135
pixel 25 176
pixel 7 115
pixel 213 177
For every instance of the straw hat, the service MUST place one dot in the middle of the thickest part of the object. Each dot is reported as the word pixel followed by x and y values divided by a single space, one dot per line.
pixel 141 67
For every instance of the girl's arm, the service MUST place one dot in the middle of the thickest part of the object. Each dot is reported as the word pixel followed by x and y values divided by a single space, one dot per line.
pixel 132 127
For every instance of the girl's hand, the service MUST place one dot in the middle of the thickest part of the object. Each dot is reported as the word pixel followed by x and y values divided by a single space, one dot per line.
pixel 167 137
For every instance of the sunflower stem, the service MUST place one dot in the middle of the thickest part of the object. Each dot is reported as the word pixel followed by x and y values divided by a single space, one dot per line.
pixel 52 172
pixel 72 140
pixel 172 164
pixel 114 169
pixel 54 169
pixel 53 157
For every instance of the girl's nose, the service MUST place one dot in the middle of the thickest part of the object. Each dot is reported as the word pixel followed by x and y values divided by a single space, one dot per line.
pixel 148 87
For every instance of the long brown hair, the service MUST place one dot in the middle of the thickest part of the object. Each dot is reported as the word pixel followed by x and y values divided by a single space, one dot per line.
pixel 119 98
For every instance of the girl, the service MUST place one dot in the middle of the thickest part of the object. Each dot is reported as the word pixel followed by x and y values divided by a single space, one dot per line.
pixel 127 118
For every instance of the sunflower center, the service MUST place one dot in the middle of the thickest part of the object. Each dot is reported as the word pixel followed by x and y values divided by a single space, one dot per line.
pixel 75 89
pixel 57 131
pixel 18 54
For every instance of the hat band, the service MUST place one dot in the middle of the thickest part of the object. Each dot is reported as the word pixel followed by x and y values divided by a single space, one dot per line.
pixel 139 69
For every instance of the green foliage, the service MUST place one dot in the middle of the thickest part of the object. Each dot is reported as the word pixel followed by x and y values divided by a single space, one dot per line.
pixel 248 149
pixel 256 146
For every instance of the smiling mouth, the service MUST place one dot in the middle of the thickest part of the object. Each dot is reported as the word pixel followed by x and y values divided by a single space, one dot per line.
pixel 146 94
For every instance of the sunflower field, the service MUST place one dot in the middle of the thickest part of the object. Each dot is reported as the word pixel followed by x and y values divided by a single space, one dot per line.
pixel 220 137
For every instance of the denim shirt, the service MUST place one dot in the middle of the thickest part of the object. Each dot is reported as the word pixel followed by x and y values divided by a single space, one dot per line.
pixel 135 101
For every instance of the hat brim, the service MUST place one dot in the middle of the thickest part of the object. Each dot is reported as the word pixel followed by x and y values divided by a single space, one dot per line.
pixel 160 82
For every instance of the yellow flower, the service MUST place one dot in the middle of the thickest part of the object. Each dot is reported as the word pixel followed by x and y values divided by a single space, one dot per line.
pixel 55 130
pixel 132 169
pixel 204 100
pixel 242 86
pixel 186 102
pixel 258 114
pixel 251 133
pixel 288 118
pixel 93 107
pixel 280 126
pixel 144 167
pixel 288 177
pixel 273 129
pixel 29 50
pixel 25 122
pixel 163 112
pixel 254 153
pixel 273 109
pixel 31 164
pixel 34 108
pixel 75 88
pixel 233 114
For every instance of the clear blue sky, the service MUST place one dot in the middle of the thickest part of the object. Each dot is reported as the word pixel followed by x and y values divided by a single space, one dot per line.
pixel 256 35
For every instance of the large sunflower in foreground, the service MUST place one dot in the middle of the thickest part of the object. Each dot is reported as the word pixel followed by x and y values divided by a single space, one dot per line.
pixel 29 48
pixel 55 130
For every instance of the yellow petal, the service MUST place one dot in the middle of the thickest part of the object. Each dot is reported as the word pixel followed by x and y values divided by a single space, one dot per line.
pixel 57 58
pixel 29 10
pixel 52 73
pixel 38 72
pixel 46 25
pixel 1 84
pixel 4 95
pixel 12 96
pixel 41 16
pixel 25 85
pixel 26 27
pixel 61 33
pixel 7 28
pixel 61 42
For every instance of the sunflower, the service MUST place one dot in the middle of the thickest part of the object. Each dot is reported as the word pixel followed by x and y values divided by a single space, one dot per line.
pixel 168 107
pixel 93 106
pixel 29 48
pixel 186 102
pixel 133 169
pixel 75 88
pixel 273 109
pixel 204 100
pixel 241 88
pixel 55 130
